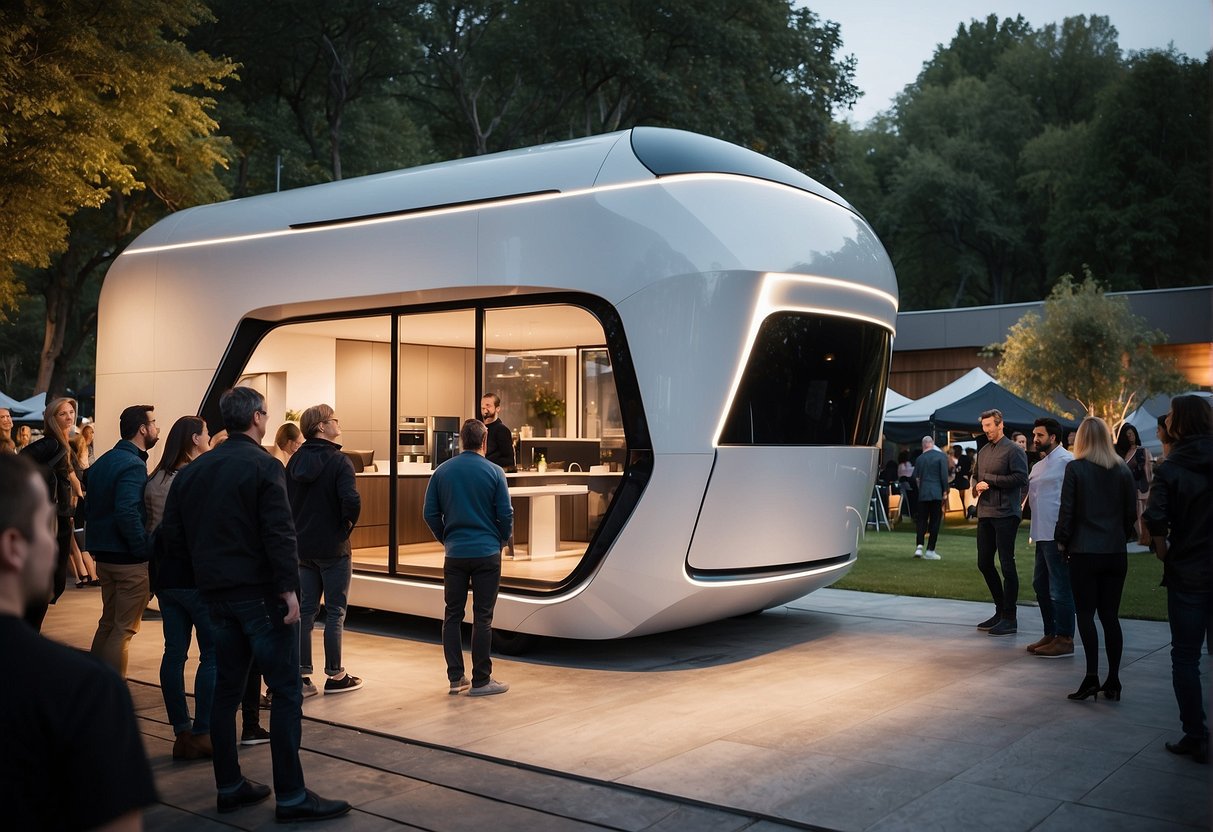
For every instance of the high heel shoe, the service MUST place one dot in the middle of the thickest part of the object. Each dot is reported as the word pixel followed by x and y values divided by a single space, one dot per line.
pixel 1089 687
pixel 1111 690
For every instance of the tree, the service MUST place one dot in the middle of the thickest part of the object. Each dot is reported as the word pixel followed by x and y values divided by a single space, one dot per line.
pixel 82 86
pixel 1088 347
pixel 105 117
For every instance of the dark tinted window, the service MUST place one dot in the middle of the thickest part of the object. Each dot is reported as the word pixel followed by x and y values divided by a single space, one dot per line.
pixel 668 152
pixel 811 380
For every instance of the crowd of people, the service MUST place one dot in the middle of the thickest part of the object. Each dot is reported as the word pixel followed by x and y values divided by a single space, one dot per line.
pixel 240 545
pixel 1087 496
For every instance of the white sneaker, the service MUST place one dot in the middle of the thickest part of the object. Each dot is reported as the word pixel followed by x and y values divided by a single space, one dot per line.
pixel 489 688
pixel 918 551
pixel 931 554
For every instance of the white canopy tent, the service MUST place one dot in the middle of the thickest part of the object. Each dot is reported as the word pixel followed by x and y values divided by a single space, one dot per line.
pixel 31 409
pixel 894 400
pixel 913 420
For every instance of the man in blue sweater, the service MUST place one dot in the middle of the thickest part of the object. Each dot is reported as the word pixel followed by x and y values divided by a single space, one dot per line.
pixel 467 507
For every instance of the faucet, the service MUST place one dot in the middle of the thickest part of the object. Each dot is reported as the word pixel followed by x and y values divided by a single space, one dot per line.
pixel 569 467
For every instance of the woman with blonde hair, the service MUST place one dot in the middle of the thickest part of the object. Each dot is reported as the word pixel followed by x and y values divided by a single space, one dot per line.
pixel 1097 515
pixel 55 456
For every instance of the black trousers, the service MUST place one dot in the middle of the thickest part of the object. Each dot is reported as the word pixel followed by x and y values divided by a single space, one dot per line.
pixel 1098 581
pixel 930 513
pixel 996 535
pixel 483 575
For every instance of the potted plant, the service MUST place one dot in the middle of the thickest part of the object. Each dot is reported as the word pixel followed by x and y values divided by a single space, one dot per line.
pixel 546 407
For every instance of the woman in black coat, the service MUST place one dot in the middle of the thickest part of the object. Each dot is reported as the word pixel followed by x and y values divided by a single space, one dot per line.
pixel 54 455
pixel 1097 515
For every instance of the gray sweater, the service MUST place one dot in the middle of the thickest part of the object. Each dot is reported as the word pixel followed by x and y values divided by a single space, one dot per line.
pixel 1003 465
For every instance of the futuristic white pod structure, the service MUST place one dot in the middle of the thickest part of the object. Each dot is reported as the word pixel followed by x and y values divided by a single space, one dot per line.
pixel 717 324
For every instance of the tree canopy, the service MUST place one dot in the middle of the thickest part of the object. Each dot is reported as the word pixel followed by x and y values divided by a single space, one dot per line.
pixel 1089 348
pixel 87 92
pixel 1022 154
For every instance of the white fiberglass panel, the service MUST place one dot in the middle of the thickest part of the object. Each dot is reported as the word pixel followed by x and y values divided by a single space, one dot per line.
pixel 774 506
pixel 686 336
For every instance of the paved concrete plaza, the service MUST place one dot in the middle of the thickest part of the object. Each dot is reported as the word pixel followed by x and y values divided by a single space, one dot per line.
pixel 842 710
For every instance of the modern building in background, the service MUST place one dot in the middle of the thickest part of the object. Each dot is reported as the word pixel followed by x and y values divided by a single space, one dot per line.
pixel 938 346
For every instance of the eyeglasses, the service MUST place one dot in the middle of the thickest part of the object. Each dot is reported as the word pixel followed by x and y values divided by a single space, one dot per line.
pixel 334 420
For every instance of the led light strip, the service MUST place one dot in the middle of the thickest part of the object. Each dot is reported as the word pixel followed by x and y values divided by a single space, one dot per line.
pixel 474 206
pixel 765 307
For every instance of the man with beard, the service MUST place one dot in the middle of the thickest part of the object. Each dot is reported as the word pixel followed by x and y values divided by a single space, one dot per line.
pixel 1000 473
pixel 115 534
pixel 1051 577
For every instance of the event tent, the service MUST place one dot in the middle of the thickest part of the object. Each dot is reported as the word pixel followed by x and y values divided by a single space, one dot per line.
pixel 12 404
pixel 894 400
pixel 1017 413
pixel 31 409
pixel 912 421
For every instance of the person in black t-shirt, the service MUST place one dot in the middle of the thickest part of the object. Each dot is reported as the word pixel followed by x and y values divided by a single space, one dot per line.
pixel 69 725
pixel 501 442
pixel 500 448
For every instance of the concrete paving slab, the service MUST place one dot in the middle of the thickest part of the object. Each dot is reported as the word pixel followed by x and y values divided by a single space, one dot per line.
pixel 841 710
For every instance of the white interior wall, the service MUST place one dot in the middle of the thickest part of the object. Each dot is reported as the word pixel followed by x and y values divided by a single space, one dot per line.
pixel 310 365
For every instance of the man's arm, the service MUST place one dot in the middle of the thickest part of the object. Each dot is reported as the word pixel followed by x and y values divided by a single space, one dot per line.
pixel 128 499
pixel 432 512
pixel 505 509
pixel 277 526
pixel 347 493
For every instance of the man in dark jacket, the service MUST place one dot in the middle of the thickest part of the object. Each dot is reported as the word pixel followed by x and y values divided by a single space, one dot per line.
pixel 229 510
pixel 1180 519
pixel 115 534
pixel 931 481
pixel 1000 474
pixel 325 504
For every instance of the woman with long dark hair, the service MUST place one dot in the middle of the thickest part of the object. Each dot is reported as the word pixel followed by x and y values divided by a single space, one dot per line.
pixel 1096 517
pixel 53 452
pixel 1141 465
pixel 181 606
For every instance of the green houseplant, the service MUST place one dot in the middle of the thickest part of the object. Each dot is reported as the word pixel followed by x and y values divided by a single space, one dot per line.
pixel 546 406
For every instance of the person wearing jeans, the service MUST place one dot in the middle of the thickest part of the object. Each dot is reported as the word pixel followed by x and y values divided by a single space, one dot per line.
pixel 228 511
pixel 183 611
pixel 1000 474
pixel 325 506
pixel 1051 578
pixel 467 507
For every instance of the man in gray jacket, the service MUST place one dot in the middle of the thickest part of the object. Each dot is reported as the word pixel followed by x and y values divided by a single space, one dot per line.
pixel 931 479
pixel 1000 473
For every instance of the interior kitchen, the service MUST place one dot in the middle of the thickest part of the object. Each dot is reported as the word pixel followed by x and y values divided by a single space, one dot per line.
pixel 552 371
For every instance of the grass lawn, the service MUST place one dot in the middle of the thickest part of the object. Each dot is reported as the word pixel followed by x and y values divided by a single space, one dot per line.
pixel 886 564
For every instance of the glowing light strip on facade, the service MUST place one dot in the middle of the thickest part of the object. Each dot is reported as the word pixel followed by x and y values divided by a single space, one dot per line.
pixel 766 306
pixel 422 213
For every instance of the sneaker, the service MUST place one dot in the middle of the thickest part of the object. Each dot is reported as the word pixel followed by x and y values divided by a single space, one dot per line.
pixel 249 793
pixel 931 554
pixel 460 686
pixel 308 688
pixel 1036 645
pixel 343 685
pixel 254 736
pixel 990 622
pixel 489 688
pixel 1005 627
pixel 1058 648
pixel 918 551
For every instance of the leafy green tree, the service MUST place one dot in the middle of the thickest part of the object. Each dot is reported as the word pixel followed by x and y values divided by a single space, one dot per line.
pixel 320 89
pixel 1088 347
pixel 84 87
